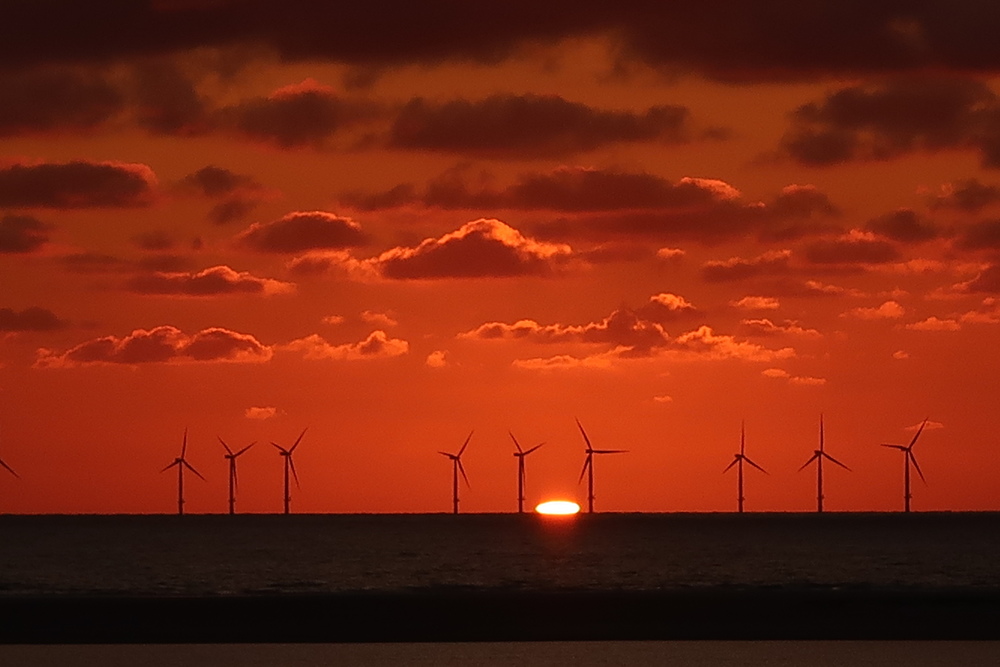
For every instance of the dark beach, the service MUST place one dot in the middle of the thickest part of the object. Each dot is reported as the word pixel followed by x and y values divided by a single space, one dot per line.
pixel 435 578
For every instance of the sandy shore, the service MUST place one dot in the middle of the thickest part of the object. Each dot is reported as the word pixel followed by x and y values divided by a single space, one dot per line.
pixel 492 615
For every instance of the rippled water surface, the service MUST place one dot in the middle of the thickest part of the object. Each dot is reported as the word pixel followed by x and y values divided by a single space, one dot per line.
pixel 197 555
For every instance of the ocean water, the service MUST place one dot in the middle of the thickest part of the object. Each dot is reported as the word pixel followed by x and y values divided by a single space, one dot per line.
pixel 273 554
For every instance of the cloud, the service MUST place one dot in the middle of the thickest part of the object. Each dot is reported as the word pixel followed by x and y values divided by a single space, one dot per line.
pixel 378 319
pixel 377 345
pixel 756 303
pixel 76 185
pixel 529 125
pixel 934 324
pixel 900 355
pixel 853 248
pixel 214 281
pixel 334 319
pixel 774 262
pixel 900 116
pixel 890 310
pixel 670 254
pixel 663 399
pixel 984 235
pixel 163 344
pixel 968 195
pixel 564 362
pixel 437 359
pixel 301 231
pixel 166 100
pixel 212 181
pixel 260 413
pixel 988 280
pixel 904 226
pixel 479 249
pixel 305 114
pixel 50 100
pixel 30 319
pixel 927 426
pixel 765 328
pixel 801 381
pixel 21 233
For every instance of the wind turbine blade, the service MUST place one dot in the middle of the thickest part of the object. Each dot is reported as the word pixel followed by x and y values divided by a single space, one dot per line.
pixel 236 479
pixel 291 464
pixel 244 449
pixel 743 437
pixel 917 434
pixel 298 440
pixel 191 468
pixel 9 469
pixel 450 456
pixel 755 465
pixel 516 443
pixel 821 431
pixel 916 465
pixel 229 451
pixel 811 459
pixel 899 447
pixel 835 461
pixel 736 459
pixel 185 445
pixel 585 438
pixel 280 448
pixel 465 444
pixel 533 448
pixel 461 469
pixel 170 466
pixel 610 451
pixel 586 464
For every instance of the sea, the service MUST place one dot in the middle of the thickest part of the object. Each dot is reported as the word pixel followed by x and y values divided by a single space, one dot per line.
pixel 279 555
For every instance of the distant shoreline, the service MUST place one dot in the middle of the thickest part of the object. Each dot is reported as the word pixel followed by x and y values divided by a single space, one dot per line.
pixel 503 615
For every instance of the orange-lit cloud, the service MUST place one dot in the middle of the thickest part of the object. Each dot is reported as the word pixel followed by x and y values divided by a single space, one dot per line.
pixel 889 310
pixel 765 328
pixel 301 231
pixel 160 345
pixel 260 413
pixel 773 262
pixel 377 345
pixel 851 249
pixel 935 324
pixel 756 303
pixel 801 381
pixel 214 281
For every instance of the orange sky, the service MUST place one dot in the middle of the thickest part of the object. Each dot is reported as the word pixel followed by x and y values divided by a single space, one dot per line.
pixel 246 219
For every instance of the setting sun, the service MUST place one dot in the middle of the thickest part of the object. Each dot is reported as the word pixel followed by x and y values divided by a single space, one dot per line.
pixel 560 507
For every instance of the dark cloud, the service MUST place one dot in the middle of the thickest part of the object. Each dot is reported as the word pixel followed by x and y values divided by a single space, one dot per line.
pixel 212 181
pixel 52 100
pixel 302 115
pixel 988 280
pixel 482 248
pixel 30 319
pixel 905 226
pixel 302 231
pixel 21 233
pixel 160 345
pixel 851 250
pixel 968 195
pixel 166 101
pixel 884 121
pixel 725 39
pixel 983 235
pixel 214 281
pixel 738 268
pixel 155 240
pixel 92 262
pixel 231 210
pixel 528 125
pixel 76 185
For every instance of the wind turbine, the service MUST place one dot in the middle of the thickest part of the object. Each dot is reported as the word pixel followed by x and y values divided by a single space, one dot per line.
pixel 737 461
pixel 520 454
pixel 818 456
pixel 909 458
pixel 231 457
pixel 457 467
pixel 588 466
pixel 290 465
pixel 181 463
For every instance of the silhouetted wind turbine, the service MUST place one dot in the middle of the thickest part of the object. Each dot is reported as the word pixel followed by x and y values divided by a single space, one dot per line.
pixel 290 465
pixel 738 462
pixel 588 466
pixel 818 456
pixel 909 458
pixel 181 463
pixel 231 457
pixel 520 454
pixel 9 469
pixel 457 467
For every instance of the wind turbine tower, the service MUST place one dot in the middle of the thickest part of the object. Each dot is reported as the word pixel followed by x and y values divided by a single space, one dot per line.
pixel 286 454
pixel 737 461
pixel 909 458
pixel 520 454
pixel 231 457
pixel 181 464
pixel 818 456
pixel 588 466
pixel 457 467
